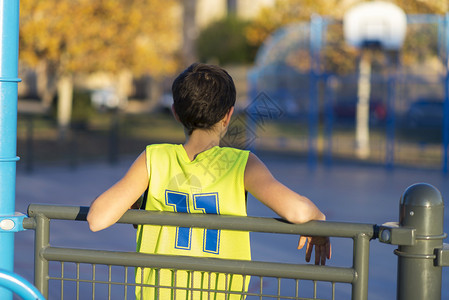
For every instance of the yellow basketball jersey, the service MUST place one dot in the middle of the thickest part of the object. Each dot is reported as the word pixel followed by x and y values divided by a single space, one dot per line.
pixel 213 183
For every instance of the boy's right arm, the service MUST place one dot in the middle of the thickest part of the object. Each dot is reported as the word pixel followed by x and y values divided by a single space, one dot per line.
pixel 286 203
pixel 114 202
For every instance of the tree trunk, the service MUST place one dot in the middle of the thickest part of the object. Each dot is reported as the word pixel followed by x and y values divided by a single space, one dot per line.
pixel 232 7
pixel 65 102
pixel 124 86
pixel 189 32
pixel 46 85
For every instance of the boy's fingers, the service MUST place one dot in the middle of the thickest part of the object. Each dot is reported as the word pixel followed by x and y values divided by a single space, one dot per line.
pixel 302 242
pixel 320 255
pixel 309 249
pixel 323 255
pixel 323 251
pixel 317 255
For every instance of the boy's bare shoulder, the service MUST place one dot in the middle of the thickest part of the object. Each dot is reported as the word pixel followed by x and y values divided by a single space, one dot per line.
pixel 255 168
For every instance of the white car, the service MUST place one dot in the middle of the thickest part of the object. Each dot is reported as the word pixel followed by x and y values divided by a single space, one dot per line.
pixel 105 98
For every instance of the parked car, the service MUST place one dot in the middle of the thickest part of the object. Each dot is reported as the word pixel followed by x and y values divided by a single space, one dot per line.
pixel 425 114
pixel 346 110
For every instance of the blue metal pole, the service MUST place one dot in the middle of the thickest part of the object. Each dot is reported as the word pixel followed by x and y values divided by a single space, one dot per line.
pixel 446 99
pixel 9 52
pixel 20 286
pixel 329 118
pixel 316 27
pixel 391 124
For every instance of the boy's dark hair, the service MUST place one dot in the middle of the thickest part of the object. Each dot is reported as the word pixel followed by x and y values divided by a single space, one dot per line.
pixel 202 95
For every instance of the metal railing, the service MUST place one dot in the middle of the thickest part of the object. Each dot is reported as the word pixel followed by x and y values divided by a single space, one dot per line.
pixel 419 236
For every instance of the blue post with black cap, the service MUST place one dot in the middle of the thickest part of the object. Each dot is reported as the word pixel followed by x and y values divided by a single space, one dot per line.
pixel 9 52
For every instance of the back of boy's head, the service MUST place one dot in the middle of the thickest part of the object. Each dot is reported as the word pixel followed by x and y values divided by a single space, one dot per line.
pixel 202 95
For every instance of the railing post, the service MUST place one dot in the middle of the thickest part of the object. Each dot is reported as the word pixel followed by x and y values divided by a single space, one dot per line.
pixel 361 266
pixel 422 208
pixel 42 241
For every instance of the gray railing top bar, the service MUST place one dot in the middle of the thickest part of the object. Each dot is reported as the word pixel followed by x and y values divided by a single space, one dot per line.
pixel 254 268
pixel 253 224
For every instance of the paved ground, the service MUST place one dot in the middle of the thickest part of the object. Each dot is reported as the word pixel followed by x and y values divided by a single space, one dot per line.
pixel 354 193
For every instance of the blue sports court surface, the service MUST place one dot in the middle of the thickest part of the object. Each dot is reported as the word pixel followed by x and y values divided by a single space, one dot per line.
pixel 344 192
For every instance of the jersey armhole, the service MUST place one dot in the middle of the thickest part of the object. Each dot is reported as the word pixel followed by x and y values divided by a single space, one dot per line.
pixel 145 194
pixel 143 205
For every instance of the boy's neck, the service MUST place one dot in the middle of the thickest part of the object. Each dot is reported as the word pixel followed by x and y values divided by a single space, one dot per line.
pixel 200 141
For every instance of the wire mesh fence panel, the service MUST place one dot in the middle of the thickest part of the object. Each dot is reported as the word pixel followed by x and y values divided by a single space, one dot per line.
pixel 69 280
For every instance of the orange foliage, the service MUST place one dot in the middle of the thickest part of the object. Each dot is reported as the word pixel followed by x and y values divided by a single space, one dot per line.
pixel 106 35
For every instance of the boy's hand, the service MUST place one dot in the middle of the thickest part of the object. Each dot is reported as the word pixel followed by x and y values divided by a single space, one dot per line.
pixel 322 245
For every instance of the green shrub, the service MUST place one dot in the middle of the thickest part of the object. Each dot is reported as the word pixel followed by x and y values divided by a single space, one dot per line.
pixel 224 42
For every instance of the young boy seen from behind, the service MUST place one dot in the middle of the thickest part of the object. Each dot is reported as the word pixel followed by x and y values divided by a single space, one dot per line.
pixel 199 176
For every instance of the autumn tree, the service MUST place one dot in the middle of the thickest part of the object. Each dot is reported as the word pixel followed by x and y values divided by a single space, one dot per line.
pixel 62 38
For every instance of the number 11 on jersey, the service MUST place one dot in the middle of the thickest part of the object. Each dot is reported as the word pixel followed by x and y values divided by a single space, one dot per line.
pixel 206 203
